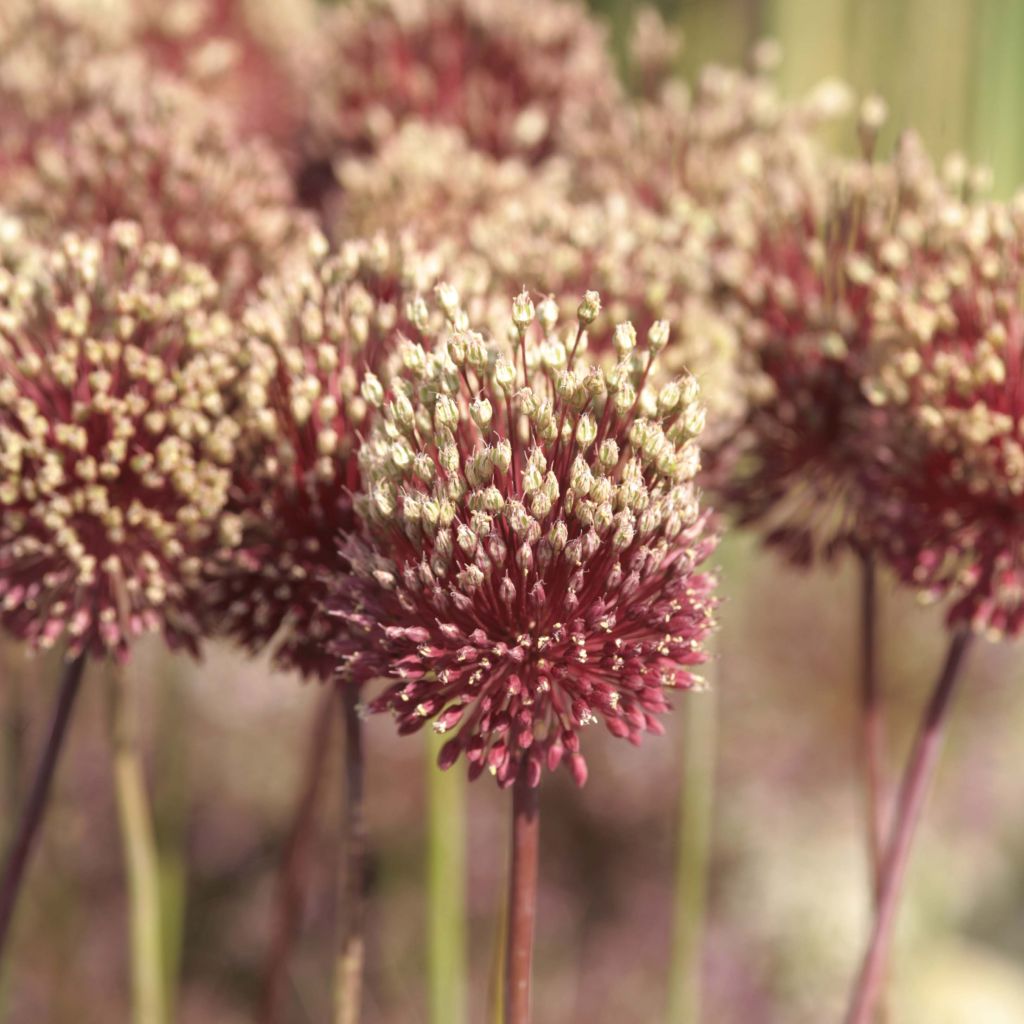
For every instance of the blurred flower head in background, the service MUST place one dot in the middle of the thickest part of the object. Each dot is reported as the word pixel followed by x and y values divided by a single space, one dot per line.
pixel 510 225
pixel 947 376
pixel 534 538
pixel 513 75
pixel 145 146
pixel 311 337
pixel 800 249
pixel 116 440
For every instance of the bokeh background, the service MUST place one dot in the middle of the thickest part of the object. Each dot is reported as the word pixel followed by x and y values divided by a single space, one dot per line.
pixel 769 751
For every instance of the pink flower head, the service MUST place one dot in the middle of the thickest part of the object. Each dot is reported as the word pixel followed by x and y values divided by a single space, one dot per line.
pixel 530 562
pixel 314 336
pixel 141 145
pixel 947 376
pixel 115 440
pixel 509 73
pixel 797 271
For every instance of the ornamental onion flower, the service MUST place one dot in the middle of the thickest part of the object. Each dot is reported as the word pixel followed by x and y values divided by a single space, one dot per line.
pixel 509 73
pixel 315 339
pixel 145 147
pixel 116 441
pixel 796 270
pixel 710 140
pixel 946 375
pixel 514 225
pixel 530 563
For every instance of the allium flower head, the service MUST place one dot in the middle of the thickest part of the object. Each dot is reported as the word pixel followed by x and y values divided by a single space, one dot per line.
pixel 535 536
pixel 145 147
pixel 509 73
pixel 711 140
pixel 947 375
pixel 115 440
pixel 239 52
pixel 316 338
pixel 515 225
pixel 797 270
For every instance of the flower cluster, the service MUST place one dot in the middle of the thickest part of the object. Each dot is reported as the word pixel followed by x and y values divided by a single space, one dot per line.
pixel 947 376
pixel 513 225
pixel 240 52
pixel 509 73
pixel 116 440
pixel 535 537
pixel 315 340
pixel 146 147
pixel 799 258
pixel 709 142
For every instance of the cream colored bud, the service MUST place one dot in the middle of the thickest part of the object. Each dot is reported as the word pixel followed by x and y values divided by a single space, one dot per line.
pixel 589 308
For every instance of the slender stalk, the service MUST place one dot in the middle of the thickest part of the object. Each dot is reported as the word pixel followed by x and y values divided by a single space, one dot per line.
pixel 872 726
pixel 913 792
pixel 446 889
pixel 38 798
pixel 694 844
pixel 135 819
pixel 171 807
pixel 291 890
pixel 522 901
pixel 351 950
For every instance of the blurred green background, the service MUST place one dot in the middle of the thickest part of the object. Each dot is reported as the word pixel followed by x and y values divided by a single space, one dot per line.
pixel 787 908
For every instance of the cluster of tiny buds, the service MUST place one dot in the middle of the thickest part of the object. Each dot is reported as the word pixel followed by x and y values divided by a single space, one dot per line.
pixel 146 147
pixel 115 439
pixel 319 337
pixel 945 376
pixel 512 225
pixel 524 71
pixel 534 526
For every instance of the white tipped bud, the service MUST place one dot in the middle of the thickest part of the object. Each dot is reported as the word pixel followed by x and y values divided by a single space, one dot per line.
pixel 624 340
pixel 657 336
pixel 372 390
pixel 547 313
pixel 448 298
pixel 589 308
pixel 586 431
pixel 522 310
pixel 481 412
pixel 504 374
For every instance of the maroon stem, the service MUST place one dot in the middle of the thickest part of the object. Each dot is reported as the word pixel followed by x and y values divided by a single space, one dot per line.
pixel 522 901
pixel 351 953
pixel 291 888
pixel 872 727
pixel 35 807
pixel 913 792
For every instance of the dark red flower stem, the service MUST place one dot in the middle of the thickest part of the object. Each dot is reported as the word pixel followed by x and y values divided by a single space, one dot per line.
pixel 522 900
pixel 872 736
pixel 913 792
pixel 351 951
pixel 291 888
pixel 35 807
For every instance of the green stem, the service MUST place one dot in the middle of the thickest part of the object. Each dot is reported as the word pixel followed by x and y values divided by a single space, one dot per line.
pixel 140 855
pixel 352 945
pixel 446 890
pixel 172 803
pixel 694 848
